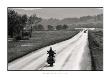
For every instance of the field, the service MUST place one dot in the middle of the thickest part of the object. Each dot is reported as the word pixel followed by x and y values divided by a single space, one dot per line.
pixel 96 48
pixel 39 39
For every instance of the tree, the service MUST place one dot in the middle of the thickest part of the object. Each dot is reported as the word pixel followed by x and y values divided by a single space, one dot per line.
pixel 24 19
pixel 65 27
pixel 13 22
pixel 58 27
pixel 16 22
pixel 34 20
pixel 50 27
pixel 39 27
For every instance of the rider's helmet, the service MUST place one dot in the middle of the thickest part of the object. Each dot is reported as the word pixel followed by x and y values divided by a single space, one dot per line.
pixel 50 48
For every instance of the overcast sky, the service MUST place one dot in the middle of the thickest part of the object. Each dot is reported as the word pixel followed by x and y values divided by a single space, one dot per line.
pixel 59 13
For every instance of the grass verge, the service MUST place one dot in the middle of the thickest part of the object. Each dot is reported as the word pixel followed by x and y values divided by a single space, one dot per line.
pixel 95 38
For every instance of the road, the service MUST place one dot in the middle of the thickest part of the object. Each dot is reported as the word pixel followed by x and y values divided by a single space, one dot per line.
pixel 72 54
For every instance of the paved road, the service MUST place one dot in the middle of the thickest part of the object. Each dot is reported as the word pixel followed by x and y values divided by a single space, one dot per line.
pixel 72 54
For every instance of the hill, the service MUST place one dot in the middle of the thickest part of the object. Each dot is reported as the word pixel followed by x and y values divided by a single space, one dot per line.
pixel 85 21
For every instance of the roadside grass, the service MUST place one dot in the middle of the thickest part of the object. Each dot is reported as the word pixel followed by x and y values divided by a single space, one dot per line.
pixel 95 38
pixel 39 39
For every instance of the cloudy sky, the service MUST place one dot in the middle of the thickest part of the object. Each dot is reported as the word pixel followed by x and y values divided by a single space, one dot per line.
pixel 59 13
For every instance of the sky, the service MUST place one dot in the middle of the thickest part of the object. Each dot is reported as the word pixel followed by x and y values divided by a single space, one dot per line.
pixel 59 13
pixel 28 8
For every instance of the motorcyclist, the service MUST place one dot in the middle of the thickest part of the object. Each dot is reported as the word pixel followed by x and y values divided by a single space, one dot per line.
pixel 50 59
pixel 51 52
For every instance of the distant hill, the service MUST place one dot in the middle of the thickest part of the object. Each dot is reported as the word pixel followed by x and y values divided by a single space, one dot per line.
pixel 75 22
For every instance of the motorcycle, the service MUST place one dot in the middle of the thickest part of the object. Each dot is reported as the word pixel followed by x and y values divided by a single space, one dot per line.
pixel 51 57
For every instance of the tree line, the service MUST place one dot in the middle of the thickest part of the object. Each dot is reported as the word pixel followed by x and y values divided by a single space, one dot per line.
pixel 40 27
pixel 17 22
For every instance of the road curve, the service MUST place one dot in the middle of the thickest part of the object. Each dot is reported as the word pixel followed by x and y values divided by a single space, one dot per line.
pixel 72 54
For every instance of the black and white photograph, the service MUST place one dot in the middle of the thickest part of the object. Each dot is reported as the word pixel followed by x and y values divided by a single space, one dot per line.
pixel 55 38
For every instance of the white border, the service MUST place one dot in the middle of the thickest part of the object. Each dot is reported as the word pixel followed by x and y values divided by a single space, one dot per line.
pixel 51 3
